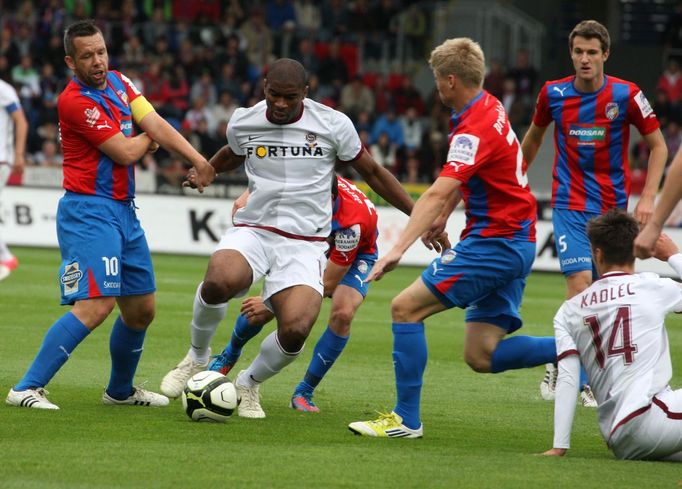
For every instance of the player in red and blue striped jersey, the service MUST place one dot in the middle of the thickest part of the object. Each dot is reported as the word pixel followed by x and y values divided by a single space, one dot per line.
pixel 486 271
pixel 105 257
pixel 353 251
pixel 592 113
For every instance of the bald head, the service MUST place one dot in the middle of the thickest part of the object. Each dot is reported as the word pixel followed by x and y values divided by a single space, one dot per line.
pixel 285 88
pixel 286 70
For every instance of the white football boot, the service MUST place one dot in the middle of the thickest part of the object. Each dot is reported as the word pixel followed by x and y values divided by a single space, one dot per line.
pixel 548 384
pixel 587 398
pixel 249 406
pixel 139 397
pixel 30 398
pixel 175 381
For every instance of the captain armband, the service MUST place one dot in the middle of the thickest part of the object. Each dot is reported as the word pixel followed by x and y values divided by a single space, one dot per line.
pixel 140 107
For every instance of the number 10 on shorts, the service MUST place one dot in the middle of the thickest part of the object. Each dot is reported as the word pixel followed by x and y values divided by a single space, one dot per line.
pixel 110 265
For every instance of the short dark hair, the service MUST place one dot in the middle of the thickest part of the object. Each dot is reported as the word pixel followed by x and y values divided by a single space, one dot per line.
pixel 287 69
pixel 614 233
pixel 591 29
pixel 82 28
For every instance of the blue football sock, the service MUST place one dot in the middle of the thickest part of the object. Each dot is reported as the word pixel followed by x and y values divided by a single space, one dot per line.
pixel 327 350
pixel 59 341
pixel 241 334
pixel 523 352
pixel 409 363
pixel 125 346
pixel 583 377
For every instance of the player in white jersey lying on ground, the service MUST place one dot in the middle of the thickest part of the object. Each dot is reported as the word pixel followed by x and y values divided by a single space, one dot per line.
pixel 289 145
pixel 615 329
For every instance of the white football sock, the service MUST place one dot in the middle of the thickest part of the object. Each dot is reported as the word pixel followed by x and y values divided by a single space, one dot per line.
pixel 270 360
pixel 5 254
pixel 205 321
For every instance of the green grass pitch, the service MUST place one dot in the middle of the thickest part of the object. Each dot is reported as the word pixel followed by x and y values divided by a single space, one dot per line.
pixel 481 431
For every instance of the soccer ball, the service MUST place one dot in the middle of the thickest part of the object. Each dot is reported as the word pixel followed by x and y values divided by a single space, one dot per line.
pixel 209 396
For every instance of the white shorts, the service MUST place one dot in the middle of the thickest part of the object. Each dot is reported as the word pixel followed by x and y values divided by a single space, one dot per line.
pixel 655 434
pixel 284 262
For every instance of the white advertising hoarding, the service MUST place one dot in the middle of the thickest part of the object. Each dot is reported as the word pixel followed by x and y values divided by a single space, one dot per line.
pixel 193 225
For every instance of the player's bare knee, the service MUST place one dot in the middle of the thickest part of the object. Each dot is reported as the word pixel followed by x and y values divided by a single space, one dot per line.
pixel 214 291
pixel 477 362
pixel 140 319
pixel 341 318
pixel 292 340
pixel 402 311
pixel 93 312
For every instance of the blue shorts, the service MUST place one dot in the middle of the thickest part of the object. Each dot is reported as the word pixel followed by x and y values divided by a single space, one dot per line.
pixel 571 241
pixel 104 249
pixel 357 274
pixel 484 275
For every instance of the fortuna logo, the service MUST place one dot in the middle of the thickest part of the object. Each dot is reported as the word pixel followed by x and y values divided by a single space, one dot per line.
pixel 283 151
pixel 560 90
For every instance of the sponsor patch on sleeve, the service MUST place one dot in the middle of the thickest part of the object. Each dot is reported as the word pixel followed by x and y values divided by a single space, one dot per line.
pixel 463 148
pixel 643 104
pixel 347 239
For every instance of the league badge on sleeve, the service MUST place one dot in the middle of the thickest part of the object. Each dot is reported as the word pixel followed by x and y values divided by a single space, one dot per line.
pixel 643 104
pixel 463 149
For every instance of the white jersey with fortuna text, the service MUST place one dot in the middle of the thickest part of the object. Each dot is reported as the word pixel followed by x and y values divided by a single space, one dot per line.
pixel 616 326
pixel 9 102
pixel 290 167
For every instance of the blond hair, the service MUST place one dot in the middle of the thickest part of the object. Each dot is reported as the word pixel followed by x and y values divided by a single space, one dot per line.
pixel 461 57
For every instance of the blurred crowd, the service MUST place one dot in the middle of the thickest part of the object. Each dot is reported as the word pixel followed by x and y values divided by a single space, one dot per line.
pixel 197 61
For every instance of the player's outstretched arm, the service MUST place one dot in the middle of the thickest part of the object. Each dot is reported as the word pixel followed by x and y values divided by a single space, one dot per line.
pixel 426 210
pixel 436 232
pixel 657 157
pixel 20 135
pixel 383 182
pixel 163 133
pixel 567 388
pixel 532 141
pixel 670 196
pixel 224 160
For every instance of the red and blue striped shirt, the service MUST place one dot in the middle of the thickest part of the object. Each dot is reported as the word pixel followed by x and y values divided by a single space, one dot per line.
pixel 591 138
pixel 87 118
pixel 486 157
